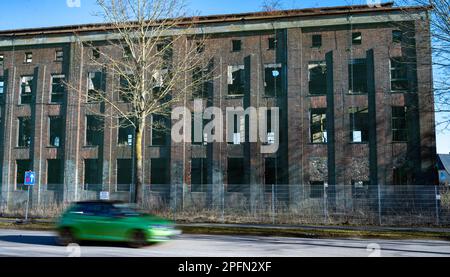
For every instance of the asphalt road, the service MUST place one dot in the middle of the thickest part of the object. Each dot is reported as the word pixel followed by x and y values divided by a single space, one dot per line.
pixel 16 243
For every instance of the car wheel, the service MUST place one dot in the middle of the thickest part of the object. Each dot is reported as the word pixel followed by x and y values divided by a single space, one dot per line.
pixel 138 239
pixel 66 237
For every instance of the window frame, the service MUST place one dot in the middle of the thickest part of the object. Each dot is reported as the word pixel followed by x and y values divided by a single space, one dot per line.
pixel 55 94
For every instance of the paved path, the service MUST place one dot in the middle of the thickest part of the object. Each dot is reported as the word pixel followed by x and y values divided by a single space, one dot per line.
pixel 42 244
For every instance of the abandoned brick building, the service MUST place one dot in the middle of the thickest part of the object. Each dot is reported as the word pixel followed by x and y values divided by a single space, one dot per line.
pixel 354 88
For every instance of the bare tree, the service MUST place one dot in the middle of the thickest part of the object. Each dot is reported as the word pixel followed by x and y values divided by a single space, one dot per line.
pixel 271 5
pixel 151 56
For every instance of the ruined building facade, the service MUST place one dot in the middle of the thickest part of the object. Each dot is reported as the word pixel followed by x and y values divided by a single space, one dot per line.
pixel 353 84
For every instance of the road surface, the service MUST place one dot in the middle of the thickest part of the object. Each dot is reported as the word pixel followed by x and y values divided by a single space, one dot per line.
pixel 17 243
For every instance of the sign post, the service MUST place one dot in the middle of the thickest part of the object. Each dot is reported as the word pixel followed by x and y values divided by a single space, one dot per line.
pixel 30 177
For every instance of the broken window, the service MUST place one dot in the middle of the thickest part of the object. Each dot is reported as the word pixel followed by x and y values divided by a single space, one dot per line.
pixel 58 89
pixel 199 175
pixel 317 78
pixel 236 80
pixel 360 189
pixel 26 91
pixel 272 174
pixel 238 129
pixel 202 85
pixel 316 41
pixel 357 72
pixel 356 38
pixel 59 55
pixel 399 74
pixel 2 85
pixel 24 132
pixel 237 181
pixel 96 53
pixel 318 125
pixel 160 175
pixel 160 133
pixel 28 57
pixel 200 47
pixel 92 175
pixel 94 130
pixel 270 129
pixel 237 45
pixel 202 139
pixel 317 189
pixel 359 124
pixel 272 80
pixel 56 128
pixel 272 43
pixel 124 174
pixel 399 128
pixel 22 166
pixel 126 132
pixel 400 176
pixel 397 36
pixel 127 85
pixel 95 86
pixel 127 52
pixel 54 174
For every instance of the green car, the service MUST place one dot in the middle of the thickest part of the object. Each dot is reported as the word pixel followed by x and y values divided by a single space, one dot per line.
pixel 112 221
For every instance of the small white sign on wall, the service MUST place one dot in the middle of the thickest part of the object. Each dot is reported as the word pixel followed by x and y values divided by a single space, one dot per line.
pixel 104 195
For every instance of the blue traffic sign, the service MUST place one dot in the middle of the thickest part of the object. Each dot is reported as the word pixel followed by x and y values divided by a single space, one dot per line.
pixel 29 178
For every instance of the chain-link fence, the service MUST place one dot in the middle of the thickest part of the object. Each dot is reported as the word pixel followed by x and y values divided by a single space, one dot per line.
pixel 358 204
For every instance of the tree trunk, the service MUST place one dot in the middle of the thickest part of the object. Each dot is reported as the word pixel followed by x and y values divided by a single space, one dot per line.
pixel 139 179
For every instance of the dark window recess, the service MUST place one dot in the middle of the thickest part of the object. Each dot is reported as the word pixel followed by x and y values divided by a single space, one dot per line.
pixel 2 85
pixel 318 125
pixel 26 90
pixel 272 43
pixel 126 88
pixel 399 127
pixel 399 74
pixel 236 80
pixel 96 53
pixel 359 124
pixel 316 40
pixel 397 36
pixel 160 130
pixel 273 174
pixel 28 57
pixel 22 166
pixel 200 47
pixel 95 86
pixel 56 130
pixel 92 175
pixel 317 189
pixel 126 132
pixel 124 174
pixel 58 89
pixel 400 176
pixel 202 84
pixel 237 45
pixel 199 175
pixel 159 177
pixel 59 55
pixel 54 175
pixel 127 52
pixel 357 72
pixel 273 80
pixel 2 60
pixel 237 181
pixel 317 78
pixel 356 38
pixel 94 130
pixel 24 132
pixel 360 189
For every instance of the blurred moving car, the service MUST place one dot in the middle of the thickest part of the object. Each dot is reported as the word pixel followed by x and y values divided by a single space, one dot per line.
pixel 112 221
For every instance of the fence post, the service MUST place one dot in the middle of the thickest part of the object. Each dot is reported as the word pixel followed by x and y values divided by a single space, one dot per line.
pixel 325 203
pixel 437 198
pixel 379 205
pixel 273 204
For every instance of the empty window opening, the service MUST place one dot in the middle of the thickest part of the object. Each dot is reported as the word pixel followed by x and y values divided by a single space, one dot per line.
pixel 359 125
pixel 124 174
pixel 360 189
pixel 237 181
pixel 317 189
pixel 22 166
pixel 272 80
pixel 272 43
pixel 2 60
pixel 92 175
pixel 24 132
pixel 160 130
pixel 273 173
pixel 236 80
pixel 26 89
pixel 160 175
pixel 400 176
pixel 126 132
pixel 96 53
pixel 317 78
pixel 318 125
pixel 28 57
pixel 399 126
pixel 95 86
pixel 199 175
pixel 54 175
pixel 202 83
pixel 397 36
pixel 399 74
pixel 237 45
pixel 357 72
pixel 316 41
pixel 94 130
pixel 56 130
pixel 356 38
pixel 58 89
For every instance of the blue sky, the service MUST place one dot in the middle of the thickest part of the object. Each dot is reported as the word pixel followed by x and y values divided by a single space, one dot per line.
pixel 42 13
